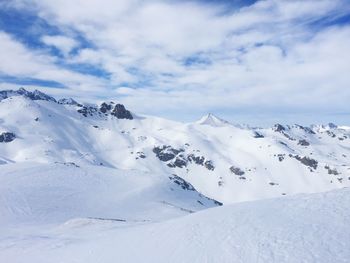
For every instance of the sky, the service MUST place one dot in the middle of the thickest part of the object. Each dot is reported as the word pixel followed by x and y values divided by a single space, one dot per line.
pixel 255 62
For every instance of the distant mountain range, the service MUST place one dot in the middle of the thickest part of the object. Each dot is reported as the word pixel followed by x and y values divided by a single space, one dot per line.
pixel 222 161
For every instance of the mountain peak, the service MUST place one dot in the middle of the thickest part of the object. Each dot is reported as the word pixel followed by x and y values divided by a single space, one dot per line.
pixel 35 95
pixel 212 120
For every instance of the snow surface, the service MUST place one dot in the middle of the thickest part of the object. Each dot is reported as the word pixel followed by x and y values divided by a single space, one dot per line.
pixel 80 224
pixel 32 193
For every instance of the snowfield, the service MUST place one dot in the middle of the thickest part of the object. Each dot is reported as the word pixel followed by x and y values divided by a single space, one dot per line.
pixel 98 183
pixel 58 221
pixel 49 194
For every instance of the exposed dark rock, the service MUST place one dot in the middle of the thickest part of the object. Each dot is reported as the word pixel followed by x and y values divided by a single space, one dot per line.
pixel 209 165
pixel 331 171
pixel 258 135
pixel 187 186
pixel 331 134
pixel 69 101
pixel 141 155
pixel 306 161
pixel 196 159
pixel 88 110
pixel 288 136
pixel 306 129
pixel 166 153
pixel 278 128
pixel 120 112
pixel 281 156
pixel 236 170
pixel 303 142
pixel 105 107
pixel 181 182
pixel 7 137
pixel 281 129
pixel 35 95
pixel 179 162
pixel 332 125
pixel 200 160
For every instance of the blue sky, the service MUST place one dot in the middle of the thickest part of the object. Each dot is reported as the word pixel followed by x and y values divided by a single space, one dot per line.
pixel 257 62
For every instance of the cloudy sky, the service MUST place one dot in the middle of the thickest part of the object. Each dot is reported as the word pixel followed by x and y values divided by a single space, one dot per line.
pixel 256 62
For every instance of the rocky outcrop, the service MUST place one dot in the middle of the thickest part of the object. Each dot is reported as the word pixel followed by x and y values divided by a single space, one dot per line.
pixel 104 108
pixel 331 171
pixel 209 165
pixel 258 135
pixel 278 128
pixel 178 158
pixel 282 130
pixel 120 112
pixel 166 152
pixel 280 156
pixel 331 134
pixel 196 159
pixel 69 101
pixel 236 170
pixel 35 95
pixel 181 182
pixel 306 161
pixel 305 129
pixel 88 110
pixel 180 162
pixel 303 143
pixel 189 187
pixel 7 137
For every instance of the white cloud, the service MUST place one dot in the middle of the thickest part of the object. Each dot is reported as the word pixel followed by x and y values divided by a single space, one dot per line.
pixel 264 56
pixel 63 43
pixel 19 61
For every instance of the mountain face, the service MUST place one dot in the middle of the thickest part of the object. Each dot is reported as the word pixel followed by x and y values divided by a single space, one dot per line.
pixel 35 95
pixel 218 160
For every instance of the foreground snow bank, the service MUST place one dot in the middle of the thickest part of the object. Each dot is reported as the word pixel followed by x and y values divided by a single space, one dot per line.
pixel 304 228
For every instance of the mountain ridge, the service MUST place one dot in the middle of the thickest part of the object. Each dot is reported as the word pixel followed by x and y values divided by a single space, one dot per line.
pixel 228 163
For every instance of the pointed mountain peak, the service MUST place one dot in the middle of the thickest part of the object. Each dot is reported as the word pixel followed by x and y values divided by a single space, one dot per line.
pixel 212 120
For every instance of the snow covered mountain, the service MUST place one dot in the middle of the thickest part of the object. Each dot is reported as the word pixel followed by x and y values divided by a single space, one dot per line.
pixel 96 181
pixel 225 162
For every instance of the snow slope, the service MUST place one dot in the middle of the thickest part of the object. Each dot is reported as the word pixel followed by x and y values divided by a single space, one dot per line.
pixel 98 183
pixel 228 163
pixel 34 194
pixel 303 228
